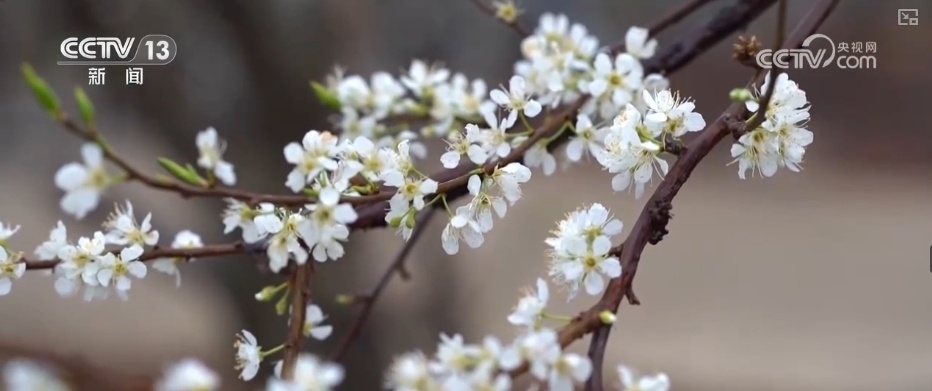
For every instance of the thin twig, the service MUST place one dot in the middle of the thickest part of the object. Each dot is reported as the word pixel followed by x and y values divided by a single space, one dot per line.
pixel 188 191
pixel 490 11
pixel 775 72
pixel 670 19
pixel 396 266
pixel 300 288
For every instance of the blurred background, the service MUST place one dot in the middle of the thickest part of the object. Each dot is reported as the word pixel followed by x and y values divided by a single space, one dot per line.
pixel 811 281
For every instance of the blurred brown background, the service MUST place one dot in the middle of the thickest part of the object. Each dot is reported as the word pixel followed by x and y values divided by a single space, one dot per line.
pixel 811 281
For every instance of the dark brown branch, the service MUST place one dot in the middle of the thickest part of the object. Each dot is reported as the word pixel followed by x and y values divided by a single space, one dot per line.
pixel 775 72
pixel 213 250
pixel 300 290
pixel 188 191
pixel 396 266
pixel 651 224
pixel 490 11
pixel 670 19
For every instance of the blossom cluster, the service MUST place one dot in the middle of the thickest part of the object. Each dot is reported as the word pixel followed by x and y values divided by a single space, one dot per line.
pixel 781 139
pixel 626 122
pixel 88 264
pixel 581 256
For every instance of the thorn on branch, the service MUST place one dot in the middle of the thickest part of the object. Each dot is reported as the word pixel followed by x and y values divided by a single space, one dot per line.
pixel 631 296
pixel 660 216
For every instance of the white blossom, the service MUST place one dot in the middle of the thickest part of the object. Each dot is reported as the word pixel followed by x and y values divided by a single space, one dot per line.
pixel 410 372
pixel 629 382
pixel 312 374
pixel 614 82
pixel 580 250
pixel 569 369
pixel 116 269
pixel 183 240
pixel 538 156
pixel 188 375
pixel 73 271
pixel 468 144
pixel 240 215
pixel 48 250
pixel 10 269
pixel 630 158
pixel 327 225
pixel 26 375
pixel 461 227
pixel 538 348
pixel 7 232
pixel 313 318
pixel 423 78
pixel 494 140
pixel 312 156
pixel 516 98
pixel 284 242
pixel 669 114
pixel 508 180
pixel 248 355
pixel 530 309
pixel 122 228
pixel 589 139
pixel 637 43
pixel 781 139
pixel 83 183
pixel 211 149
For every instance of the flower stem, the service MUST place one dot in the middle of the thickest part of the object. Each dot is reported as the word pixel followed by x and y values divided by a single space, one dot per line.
pixel 563 318
pixel 271 351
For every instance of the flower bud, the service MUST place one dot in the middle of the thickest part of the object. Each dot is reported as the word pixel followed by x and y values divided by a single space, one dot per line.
pixel 43 93
pixel 267 293
pixel 607 317
pixel 85 107
pixel 410 220
pixel 326 97
pixel 344 299
pixel 281 307
pixel 395 222
pixel 740 95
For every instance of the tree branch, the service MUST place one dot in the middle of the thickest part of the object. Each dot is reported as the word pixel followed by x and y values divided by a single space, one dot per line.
pixel 213 250
pixel 670 19
pixel 758 119
pixel 396 266
pixel 300 290
pixel 651 224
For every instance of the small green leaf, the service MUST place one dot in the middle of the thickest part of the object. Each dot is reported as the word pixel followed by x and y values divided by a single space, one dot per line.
pixel 185 174
pixel 325 96
pixel 44 94
pixel 85 107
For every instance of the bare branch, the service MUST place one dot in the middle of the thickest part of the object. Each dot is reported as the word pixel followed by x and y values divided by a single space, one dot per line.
pixel 213 250
pixel 396 266
pixel 300 288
